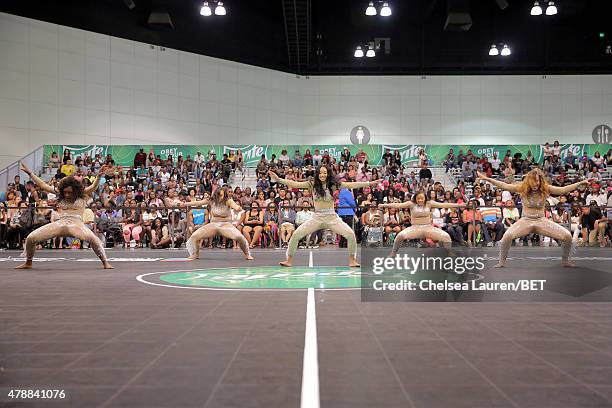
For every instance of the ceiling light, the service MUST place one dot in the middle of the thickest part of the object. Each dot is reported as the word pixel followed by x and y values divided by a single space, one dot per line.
pixel 551 10
pixel 370 53
pixel 493 51
pixel 205 10
pixel 220 10
pixel 505 51
pixel 536 10
pixel 371 10
pixel 385 11
pixel 358 52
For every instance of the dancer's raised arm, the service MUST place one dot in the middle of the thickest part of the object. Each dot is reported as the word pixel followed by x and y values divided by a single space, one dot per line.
pixel 570 187
pixel 304 185
pixel 513 188
pixel 435 204
pixel 40 182
pixel 358 184
pixel 405 204
pixel 94 186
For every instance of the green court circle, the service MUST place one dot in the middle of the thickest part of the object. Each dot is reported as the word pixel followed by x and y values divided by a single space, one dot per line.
pixel 267 277
pixel 273 277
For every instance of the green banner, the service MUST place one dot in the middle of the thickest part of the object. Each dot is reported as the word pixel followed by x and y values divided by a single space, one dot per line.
pixel 124 154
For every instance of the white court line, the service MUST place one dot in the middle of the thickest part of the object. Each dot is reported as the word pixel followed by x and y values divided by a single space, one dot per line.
pixel 310 371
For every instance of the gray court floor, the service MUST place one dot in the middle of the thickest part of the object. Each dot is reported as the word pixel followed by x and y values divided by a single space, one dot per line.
pixel 111 341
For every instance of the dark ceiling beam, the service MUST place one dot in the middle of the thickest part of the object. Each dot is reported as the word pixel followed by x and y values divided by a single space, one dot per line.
pixel 297 37
pixel 286 32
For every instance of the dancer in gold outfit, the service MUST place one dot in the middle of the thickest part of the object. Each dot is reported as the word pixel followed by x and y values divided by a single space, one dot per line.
pixel 71 203
pixel 220 223
pixel 322 188
pixel 534 189
pixel 420 218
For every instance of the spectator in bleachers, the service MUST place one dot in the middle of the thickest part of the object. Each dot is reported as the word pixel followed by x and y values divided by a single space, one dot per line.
pixel 253 224
pixel 271 222
pixel 54 161
pixel 450 162
pixel 140 159
pixel 454 226
pixel 597 195
pixel 472 223
pixel 287 221
pixel 570 161
pixel 492 221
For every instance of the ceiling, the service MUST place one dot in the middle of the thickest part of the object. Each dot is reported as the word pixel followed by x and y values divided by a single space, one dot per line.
pixel 318 37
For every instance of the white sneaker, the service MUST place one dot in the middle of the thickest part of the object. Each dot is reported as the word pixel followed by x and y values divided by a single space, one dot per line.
pixel 133 243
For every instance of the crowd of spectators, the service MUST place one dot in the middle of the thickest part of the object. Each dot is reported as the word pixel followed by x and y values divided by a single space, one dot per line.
pixel 139 205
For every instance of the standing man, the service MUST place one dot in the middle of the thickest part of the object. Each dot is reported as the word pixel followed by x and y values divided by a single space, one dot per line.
pixel 347 200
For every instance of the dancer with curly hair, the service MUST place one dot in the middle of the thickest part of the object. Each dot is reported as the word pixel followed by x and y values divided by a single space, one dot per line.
pixel 71 202
pixel 534 189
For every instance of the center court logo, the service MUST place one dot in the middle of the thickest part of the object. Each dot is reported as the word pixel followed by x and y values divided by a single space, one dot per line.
pixel 258 278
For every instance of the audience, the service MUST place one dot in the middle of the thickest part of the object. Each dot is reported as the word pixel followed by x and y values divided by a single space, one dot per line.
pixel 138 205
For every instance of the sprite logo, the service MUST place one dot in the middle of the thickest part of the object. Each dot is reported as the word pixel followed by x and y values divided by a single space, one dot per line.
pixel 265 277
pixel 90 150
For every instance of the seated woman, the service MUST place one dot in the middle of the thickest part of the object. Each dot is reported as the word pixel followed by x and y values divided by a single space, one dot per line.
pixel 132 225
pixel 160 237
pixel 392 221
pixel 253 225
pixel 472 222
pixel 454 226
pixel 271 225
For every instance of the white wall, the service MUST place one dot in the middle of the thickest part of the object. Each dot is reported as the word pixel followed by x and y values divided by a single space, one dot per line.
pixel 60 85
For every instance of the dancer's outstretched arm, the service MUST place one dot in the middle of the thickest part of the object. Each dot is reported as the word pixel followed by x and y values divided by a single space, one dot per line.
pixel 359 184
pixel 513 188
pixel 195 203
pixel 405 204
pixel 304 185
pixel 435 204
pixel 40 182
pixel 571 187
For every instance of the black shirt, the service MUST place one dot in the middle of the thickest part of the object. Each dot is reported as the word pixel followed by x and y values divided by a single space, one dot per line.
pixel 588 220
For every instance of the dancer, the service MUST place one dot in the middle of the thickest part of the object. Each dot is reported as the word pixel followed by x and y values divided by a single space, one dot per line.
pixel 420 218
pixel 322 189
pixel 534 190
pixel 220 223
pixel 70 206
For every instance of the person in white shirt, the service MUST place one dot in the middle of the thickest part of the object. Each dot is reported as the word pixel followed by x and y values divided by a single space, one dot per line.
pixel 598 196
pixel 284 158
pixel 556 149
pixel 316 158
pixel 164 175
pixel 495 162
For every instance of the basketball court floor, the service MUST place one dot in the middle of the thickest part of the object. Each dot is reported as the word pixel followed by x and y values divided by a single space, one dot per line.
pixel 159 331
